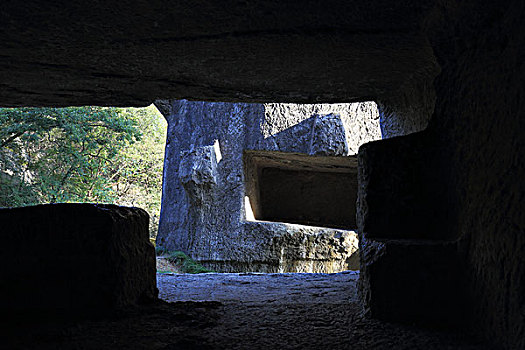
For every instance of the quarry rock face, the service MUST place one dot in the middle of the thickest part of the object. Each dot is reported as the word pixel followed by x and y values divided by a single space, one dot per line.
pixel 75 259
pixel 249 187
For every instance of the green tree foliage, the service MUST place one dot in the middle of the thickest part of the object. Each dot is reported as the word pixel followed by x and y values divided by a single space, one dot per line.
pixel 137 174
pixel 81 154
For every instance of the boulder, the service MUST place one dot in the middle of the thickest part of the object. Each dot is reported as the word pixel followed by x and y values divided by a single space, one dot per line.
pixel 75 258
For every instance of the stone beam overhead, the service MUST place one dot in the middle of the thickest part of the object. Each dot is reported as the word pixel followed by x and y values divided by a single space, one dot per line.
pixel 133 52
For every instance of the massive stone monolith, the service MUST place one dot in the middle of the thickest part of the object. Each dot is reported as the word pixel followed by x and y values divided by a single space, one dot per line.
pixel 264 187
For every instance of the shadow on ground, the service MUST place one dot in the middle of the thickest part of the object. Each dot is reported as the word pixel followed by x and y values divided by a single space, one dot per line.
pixel 241 311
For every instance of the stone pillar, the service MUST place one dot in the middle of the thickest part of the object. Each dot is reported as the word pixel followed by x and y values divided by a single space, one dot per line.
pixel 412 268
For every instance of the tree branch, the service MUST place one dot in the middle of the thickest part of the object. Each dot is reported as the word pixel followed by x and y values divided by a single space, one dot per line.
pixel 12 138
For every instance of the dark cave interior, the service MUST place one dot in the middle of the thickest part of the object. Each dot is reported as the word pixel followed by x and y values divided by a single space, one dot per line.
pixel 439 209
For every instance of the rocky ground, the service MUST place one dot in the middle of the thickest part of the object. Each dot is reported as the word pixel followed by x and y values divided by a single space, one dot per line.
pixel 240 311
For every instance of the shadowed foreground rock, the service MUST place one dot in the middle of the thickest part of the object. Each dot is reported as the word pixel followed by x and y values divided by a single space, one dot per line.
pixel 75 258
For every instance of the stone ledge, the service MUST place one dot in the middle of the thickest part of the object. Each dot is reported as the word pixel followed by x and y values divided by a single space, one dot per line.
pixel 295 248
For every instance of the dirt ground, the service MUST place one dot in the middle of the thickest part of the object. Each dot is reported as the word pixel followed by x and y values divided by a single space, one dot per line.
pixel 240 311
pixel 164 265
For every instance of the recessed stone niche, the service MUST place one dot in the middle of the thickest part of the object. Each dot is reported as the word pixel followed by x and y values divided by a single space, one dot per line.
pixel 302 189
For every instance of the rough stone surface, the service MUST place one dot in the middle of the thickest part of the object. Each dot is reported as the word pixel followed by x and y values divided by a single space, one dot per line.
pixel 418 282
pixel 306 311
pixel 479 116
pixel 412 265
pixel 328 136
pixel 75 258
pixel 281 247
pixel 402 189
pixel 258 288
pixel 410 108
pixel 198 173
pixel 205 195
pixel 134 52
pixel 463 170
pixel 309 198
pixel 296 188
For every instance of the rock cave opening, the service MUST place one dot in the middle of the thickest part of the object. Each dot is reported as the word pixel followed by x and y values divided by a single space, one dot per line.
pixel 439 202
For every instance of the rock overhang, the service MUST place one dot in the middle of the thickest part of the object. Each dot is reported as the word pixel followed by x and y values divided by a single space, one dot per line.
pixel 132 53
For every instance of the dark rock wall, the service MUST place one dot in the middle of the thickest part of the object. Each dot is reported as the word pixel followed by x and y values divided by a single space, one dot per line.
pixel 470 166
pixel 412 262
pixel 402 191
pixel 455 187
pixel 413 281
pixel 479 114
pixel 132 52
pixel 410 108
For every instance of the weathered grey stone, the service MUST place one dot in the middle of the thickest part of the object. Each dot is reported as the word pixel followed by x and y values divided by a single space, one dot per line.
pixel 328 136
pixel 198 173
pixel 252 288
pixel 282 247
pixel 213 184
pixel 75 259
